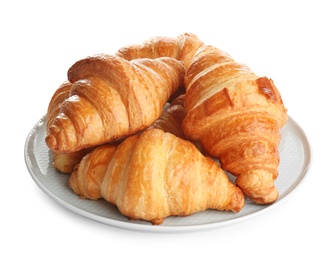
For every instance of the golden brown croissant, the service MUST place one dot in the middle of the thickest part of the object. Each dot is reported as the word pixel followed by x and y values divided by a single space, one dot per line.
pixel 86 178
pixel 181 48
pixel 236 116
pixel 156 174
pixel 111 98
pixel 170 121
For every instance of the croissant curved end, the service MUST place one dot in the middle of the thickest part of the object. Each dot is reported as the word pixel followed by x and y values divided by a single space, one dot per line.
pixel 237 201
pixel 258 186
pixel 157 221
pixel 73 182
pixel 269 198
pixel 51 141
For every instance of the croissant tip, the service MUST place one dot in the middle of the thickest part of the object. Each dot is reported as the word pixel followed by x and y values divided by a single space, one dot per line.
pixel 157 221
pixel 265 200
pixel 51 141
pixel 237 201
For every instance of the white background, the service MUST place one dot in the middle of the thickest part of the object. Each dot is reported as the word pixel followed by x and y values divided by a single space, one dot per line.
pixel 289 41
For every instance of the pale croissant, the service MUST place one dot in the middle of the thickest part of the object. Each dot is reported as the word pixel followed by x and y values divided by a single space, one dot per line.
pixel 156 174
pixel 237 117
pixel 111 98
pixel 181 48
pixel 87 176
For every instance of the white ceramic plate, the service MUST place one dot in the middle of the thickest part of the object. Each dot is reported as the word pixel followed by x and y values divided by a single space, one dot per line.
pixel 295 154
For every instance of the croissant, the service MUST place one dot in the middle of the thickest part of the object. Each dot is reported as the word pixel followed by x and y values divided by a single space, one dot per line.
pixel 111 98
pixel 170 121
pixel 181 48
pixel 86 178
pixel 236 116
pixel 156 174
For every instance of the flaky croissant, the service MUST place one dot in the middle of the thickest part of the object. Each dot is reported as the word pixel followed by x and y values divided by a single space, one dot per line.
pixel 86 178
pixel 156 174
pixel 169 121
pixel 181 48
pixel 236 116
pixel 111 98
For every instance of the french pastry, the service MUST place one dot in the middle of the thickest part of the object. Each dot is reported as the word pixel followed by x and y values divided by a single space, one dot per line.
pixel 156 174
pixel 236 116
pixel 182 48
pixel 169 121
pixel 111 98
